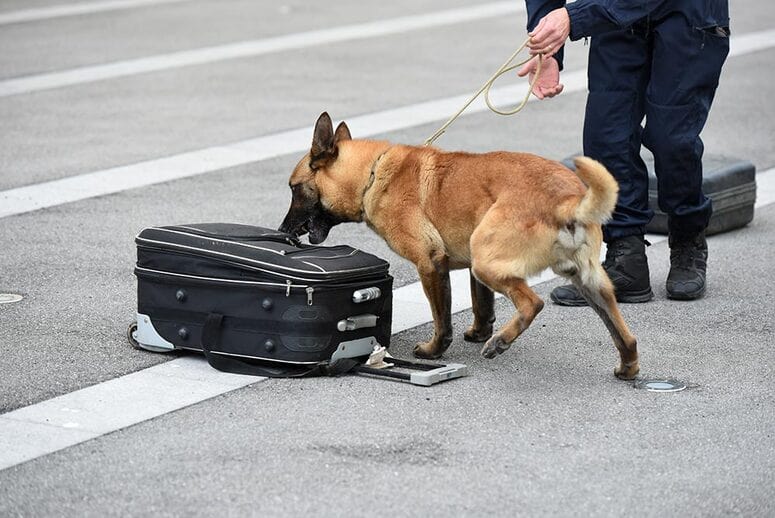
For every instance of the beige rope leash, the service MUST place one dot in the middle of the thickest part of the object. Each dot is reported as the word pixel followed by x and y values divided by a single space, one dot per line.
pixel 506 67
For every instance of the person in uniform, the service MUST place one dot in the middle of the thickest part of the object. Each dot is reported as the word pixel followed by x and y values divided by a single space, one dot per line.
pixel 653 59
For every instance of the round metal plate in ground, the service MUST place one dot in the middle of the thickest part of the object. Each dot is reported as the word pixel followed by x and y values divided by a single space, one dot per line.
pixel 9 298
pixel 661 385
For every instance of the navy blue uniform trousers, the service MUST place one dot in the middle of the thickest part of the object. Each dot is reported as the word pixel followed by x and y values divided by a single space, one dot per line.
pixel 663 67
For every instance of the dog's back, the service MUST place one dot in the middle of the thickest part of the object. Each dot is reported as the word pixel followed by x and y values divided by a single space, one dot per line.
pixel 534 208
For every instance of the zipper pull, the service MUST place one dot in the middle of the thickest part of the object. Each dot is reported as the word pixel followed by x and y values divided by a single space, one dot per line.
pixel 288 289
pixel 310 290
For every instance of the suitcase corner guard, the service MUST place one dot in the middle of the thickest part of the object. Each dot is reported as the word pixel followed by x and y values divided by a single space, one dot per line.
pixel 142 335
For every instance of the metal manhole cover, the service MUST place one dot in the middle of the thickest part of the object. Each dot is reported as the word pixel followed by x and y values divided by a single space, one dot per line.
pixel 9 298
pixel 661 385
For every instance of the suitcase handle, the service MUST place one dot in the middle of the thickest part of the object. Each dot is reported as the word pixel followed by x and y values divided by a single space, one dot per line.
pixel 357 322
pixel 211 337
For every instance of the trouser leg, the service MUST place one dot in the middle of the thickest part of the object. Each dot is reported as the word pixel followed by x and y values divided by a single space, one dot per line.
pixel 619 68
pixel 684 75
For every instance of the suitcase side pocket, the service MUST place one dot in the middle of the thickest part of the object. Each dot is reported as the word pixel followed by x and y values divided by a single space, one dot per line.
pixel 211 337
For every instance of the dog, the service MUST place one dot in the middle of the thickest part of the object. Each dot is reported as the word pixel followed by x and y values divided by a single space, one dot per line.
pixel 505 216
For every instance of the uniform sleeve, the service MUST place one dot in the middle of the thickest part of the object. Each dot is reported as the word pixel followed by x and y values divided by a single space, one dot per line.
pixel 593 17
pixel 537 9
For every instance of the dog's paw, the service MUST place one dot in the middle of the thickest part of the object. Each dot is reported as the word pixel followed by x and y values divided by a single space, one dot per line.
pixel 477 335
pixel 494 346
pixel 627 371
pixel 428 351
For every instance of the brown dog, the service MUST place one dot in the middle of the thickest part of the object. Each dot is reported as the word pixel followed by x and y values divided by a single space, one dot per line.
pixel 506 216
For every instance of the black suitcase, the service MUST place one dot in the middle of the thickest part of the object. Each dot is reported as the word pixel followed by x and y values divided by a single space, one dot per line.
pixel 255 300
pixel 729 182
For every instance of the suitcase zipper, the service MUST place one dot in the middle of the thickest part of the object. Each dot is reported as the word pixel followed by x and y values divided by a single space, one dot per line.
pixel 242 262
pixel 310 290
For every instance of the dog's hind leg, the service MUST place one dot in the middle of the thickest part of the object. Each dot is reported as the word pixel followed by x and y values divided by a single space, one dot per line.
pixel 598 291
pixel 526 302
pixel 483 301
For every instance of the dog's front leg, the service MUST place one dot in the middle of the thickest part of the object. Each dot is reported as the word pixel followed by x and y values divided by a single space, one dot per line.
pixel 434 274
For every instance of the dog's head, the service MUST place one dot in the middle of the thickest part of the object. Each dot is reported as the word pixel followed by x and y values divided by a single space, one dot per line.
pixel 312 209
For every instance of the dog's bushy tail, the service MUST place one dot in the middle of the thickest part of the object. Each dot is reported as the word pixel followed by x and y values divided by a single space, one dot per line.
pixel 598 203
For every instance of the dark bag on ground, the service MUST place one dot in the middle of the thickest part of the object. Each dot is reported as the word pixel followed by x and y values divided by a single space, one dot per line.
pixel 256 301
pixel 729 182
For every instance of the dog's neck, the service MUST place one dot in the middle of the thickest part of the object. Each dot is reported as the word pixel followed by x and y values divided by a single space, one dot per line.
pixel 372 176
pixel 370 180
pixel 352 176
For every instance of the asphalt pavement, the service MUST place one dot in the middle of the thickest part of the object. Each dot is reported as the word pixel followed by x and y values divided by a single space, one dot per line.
pixel 543 430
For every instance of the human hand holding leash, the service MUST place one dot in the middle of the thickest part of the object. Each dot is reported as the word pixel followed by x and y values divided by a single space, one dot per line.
pixel 550 33
pixel 547 38
pixel 548 83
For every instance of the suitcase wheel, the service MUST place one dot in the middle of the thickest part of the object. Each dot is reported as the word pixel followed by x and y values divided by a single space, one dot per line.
pixel 130 335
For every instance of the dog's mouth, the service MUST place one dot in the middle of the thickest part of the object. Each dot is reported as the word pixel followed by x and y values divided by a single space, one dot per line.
pixel 318 229
pixel 317 226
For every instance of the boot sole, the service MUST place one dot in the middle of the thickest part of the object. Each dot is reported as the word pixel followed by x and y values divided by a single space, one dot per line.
pixel 625 298
pixel 637 297
pixel 686 296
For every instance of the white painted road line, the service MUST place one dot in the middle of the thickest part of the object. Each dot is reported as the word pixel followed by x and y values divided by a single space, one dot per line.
pixel 70 419
pixel 73 418
pixel 253 48
pixel 49 194
pixel 79 9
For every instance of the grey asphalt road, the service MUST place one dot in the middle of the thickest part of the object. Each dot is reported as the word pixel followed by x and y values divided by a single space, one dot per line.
pixel 543 430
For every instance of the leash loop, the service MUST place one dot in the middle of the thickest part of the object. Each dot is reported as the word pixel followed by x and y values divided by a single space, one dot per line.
pixel 506 67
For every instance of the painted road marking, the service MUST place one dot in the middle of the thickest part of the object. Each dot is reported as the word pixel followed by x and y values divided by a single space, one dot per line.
pixel 63 10
pixel 253 48
pixel 108 181
pixel 73 418
pixel 48 194
pixel 70 419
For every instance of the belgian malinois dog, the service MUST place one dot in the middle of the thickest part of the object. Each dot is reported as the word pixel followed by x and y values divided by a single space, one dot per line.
pixel 506 216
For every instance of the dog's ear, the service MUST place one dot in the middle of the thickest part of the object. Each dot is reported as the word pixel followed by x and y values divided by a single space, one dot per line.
pixel 323 144
pixel 342 133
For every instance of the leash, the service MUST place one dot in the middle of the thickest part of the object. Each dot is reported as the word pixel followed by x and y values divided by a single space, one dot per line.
pixel 506 67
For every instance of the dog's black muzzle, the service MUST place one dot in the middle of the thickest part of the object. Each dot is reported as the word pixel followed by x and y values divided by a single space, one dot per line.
pixel 317 224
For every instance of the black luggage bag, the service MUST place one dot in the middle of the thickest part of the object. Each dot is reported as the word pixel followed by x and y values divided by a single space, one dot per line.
pixel 729 182
pixel 256 301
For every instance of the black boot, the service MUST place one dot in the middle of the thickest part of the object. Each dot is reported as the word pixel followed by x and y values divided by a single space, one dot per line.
pixel 626 266
pixel 688 262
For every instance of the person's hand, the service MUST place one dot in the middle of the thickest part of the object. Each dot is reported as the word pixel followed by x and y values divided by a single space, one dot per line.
pixel 550 33
pixel 548 84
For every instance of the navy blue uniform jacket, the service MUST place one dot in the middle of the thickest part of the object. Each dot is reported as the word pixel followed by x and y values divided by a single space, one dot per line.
pixel 593 17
